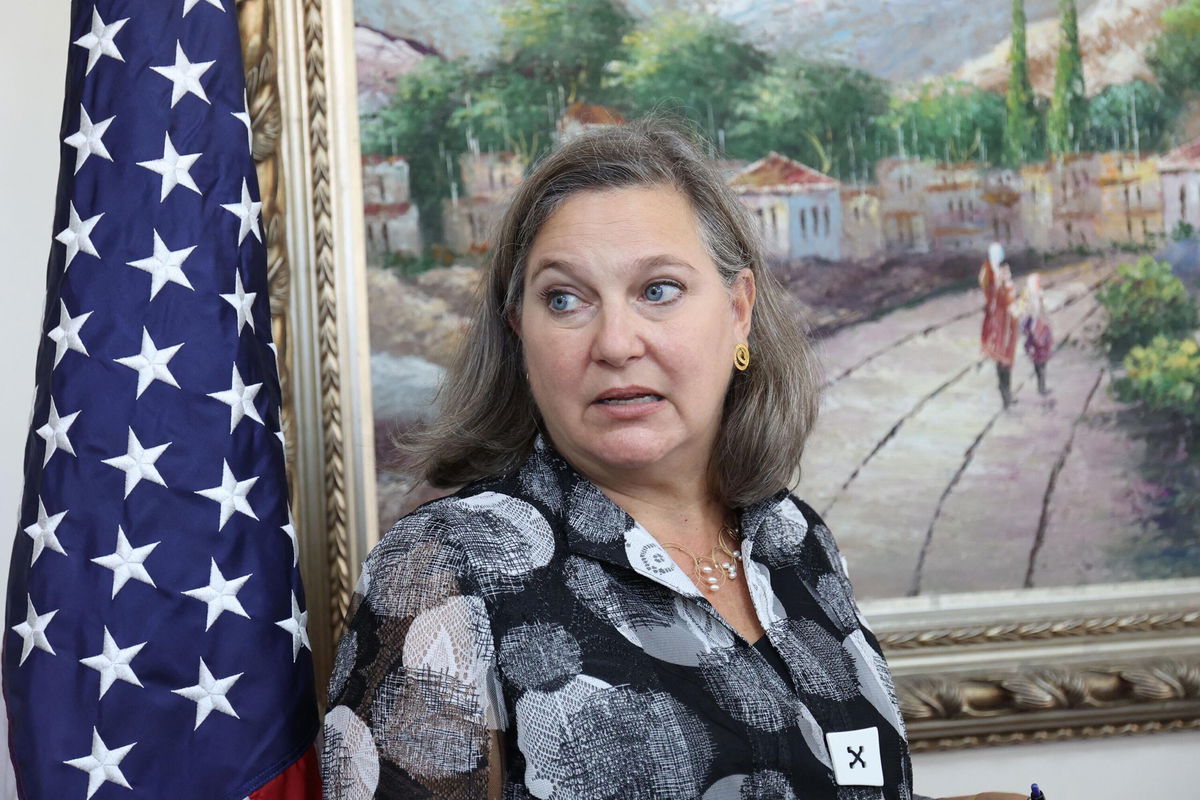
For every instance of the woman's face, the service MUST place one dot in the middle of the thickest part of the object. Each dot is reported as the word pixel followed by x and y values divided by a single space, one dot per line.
pixel 629 332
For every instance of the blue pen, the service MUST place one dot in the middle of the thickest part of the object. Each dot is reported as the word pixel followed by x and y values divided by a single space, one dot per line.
pixel 1035 793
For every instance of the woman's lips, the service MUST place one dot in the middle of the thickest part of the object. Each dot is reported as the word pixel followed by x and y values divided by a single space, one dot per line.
pixel 630 402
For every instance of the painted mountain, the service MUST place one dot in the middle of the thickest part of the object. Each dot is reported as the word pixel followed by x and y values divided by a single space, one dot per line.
pixel 889 39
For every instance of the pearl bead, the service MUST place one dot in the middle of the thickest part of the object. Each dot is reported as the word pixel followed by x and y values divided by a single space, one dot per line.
pixel 712 587
pixel 706 569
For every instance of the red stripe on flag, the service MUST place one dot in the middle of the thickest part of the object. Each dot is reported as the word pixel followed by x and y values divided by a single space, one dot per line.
pixel 300 781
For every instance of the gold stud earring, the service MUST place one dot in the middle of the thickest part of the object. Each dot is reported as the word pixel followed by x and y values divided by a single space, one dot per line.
pixel 741 357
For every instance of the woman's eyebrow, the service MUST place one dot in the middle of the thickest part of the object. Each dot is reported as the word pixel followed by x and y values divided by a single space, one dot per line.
pixel 643 264
pixel 662 260
pixel 543 264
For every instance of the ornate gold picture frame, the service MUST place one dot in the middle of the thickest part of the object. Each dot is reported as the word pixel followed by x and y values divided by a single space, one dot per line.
pixel 972 669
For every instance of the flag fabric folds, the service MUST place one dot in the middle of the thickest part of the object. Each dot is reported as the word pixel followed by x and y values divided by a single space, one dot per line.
pixel 155 644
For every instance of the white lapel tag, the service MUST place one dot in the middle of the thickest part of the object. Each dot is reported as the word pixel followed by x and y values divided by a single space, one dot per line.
pixel 855 756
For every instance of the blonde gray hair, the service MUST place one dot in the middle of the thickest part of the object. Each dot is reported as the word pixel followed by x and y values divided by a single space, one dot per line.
pixel 488 420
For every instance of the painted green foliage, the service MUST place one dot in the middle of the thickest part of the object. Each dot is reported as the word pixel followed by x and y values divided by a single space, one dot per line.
pixel 1135 116
pixel 825 115
pixel 689 64
pixel 1146 300
pixel 951 121
pixel 1069 106
pixel 749 102
pixel 418 123
pixel 1175 55
pixel 1021 123
pixel 563 43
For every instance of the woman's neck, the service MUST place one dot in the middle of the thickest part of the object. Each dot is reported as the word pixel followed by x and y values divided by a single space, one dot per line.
pixel 687 513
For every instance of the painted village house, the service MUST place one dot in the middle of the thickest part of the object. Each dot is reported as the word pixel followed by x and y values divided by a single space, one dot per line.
pixel 1002 208
pixel 902 184
pixel 1037 205
pixel 955 210
pixel 580 117
pixel 1130 199
pixel 392 220
pixel 797 208
pixel 1077 200
pixel 489 180
pixel 1179 171
pixel 862 227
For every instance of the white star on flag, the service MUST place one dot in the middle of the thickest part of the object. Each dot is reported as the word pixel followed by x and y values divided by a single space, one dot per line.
pixel 188 5
pixel 174 168
pixel 240 399
pixel 33 631
pixel 113 663
pixel 77 236
pixel 87 140
pixel 243 303
pixel 231 494
pixel 99 42
pixel 247 213
pixel 127 562
pixel 44 532
pixel 209 694
pixel 243 117
pixel 138 463
pixel 103 764
pixel 164 265
pixel 290 530
pixel 184 76
pixel 66 334
pixel 220 595
pixel 55 433
pixel 151 363
pixel 297 626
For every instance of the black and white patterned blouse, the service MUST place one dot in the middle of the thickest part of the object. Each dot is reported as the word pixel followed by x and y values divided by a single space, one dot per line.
pixel 532 610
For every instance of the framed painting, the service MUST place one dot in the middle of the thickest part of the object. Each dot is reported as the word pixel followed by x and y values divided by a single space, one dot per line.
pixel 1006 449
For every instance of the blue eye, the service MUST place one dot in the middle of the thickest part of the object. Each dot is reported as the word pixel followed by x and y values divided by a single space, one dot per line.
pixel 661 292
pixel 563 301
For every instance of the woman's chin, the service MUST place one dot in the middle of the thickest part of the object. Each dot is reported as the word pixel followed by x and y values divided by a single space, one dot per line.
pixel 635 450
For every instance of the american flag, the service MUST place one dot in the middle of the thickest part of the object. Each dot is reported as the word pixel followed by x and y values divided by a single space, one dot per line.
pixel 155 644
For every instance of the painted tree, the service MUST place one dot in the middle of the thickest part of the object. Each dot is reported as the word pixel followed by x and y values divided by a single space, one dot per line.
pixel 1175 54
pixel 694 65
pixel 1021 123
pixel 1069 107
pixel 824 114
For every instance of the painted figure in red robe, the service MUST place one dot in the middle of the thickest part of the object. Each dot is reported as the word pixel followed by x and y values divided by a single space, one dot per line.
pixel 1000 329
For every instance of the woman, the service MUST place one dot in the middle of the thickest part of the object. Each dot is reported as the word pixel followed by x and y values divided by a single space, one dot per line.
pixel 999 333
pixel 624 601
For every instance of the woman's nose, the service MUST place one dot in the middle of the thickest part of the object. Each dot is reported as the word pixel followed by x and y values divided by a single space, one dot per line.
pixel 618 335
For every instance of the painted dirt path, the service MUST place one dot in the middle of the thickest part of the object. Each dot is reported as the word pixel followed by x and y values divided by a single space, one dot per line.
pixel 931 487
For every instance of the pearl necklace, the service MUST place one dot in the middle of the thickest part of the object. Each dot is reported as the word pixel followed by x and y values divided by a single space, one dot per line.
pixel 721 565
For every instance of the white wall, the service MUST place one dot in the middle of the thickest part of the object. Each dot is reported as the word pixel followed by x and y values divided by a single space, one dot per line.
pixel 33 44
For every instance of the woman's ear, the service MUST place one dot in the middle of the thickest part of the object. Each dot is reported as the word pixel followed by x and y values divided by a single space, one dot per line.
pixel 742 294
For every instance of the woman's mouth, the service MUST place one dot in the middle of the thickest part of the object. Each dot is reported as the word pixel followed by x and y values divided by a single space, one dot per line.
pixel 629 401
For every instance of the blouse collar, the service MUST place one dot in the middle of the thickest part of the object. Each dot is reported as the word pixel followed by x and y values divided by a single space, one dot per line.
pixel 597 527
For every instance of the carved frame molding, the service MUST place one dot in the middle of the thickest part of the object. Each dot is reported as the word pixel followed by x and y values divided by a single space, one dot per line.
pixel 971 670
pixel 299 63
pixel 1036 665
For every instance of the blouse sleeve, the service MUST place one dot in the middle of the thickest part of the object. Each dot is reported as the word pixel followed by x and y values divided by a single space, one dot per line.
pixel 414 703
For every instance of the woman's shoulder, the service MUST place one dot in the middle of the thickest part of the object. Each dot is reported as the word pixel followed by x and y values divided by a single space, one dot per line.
pixel 790 530
pixel 486 529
